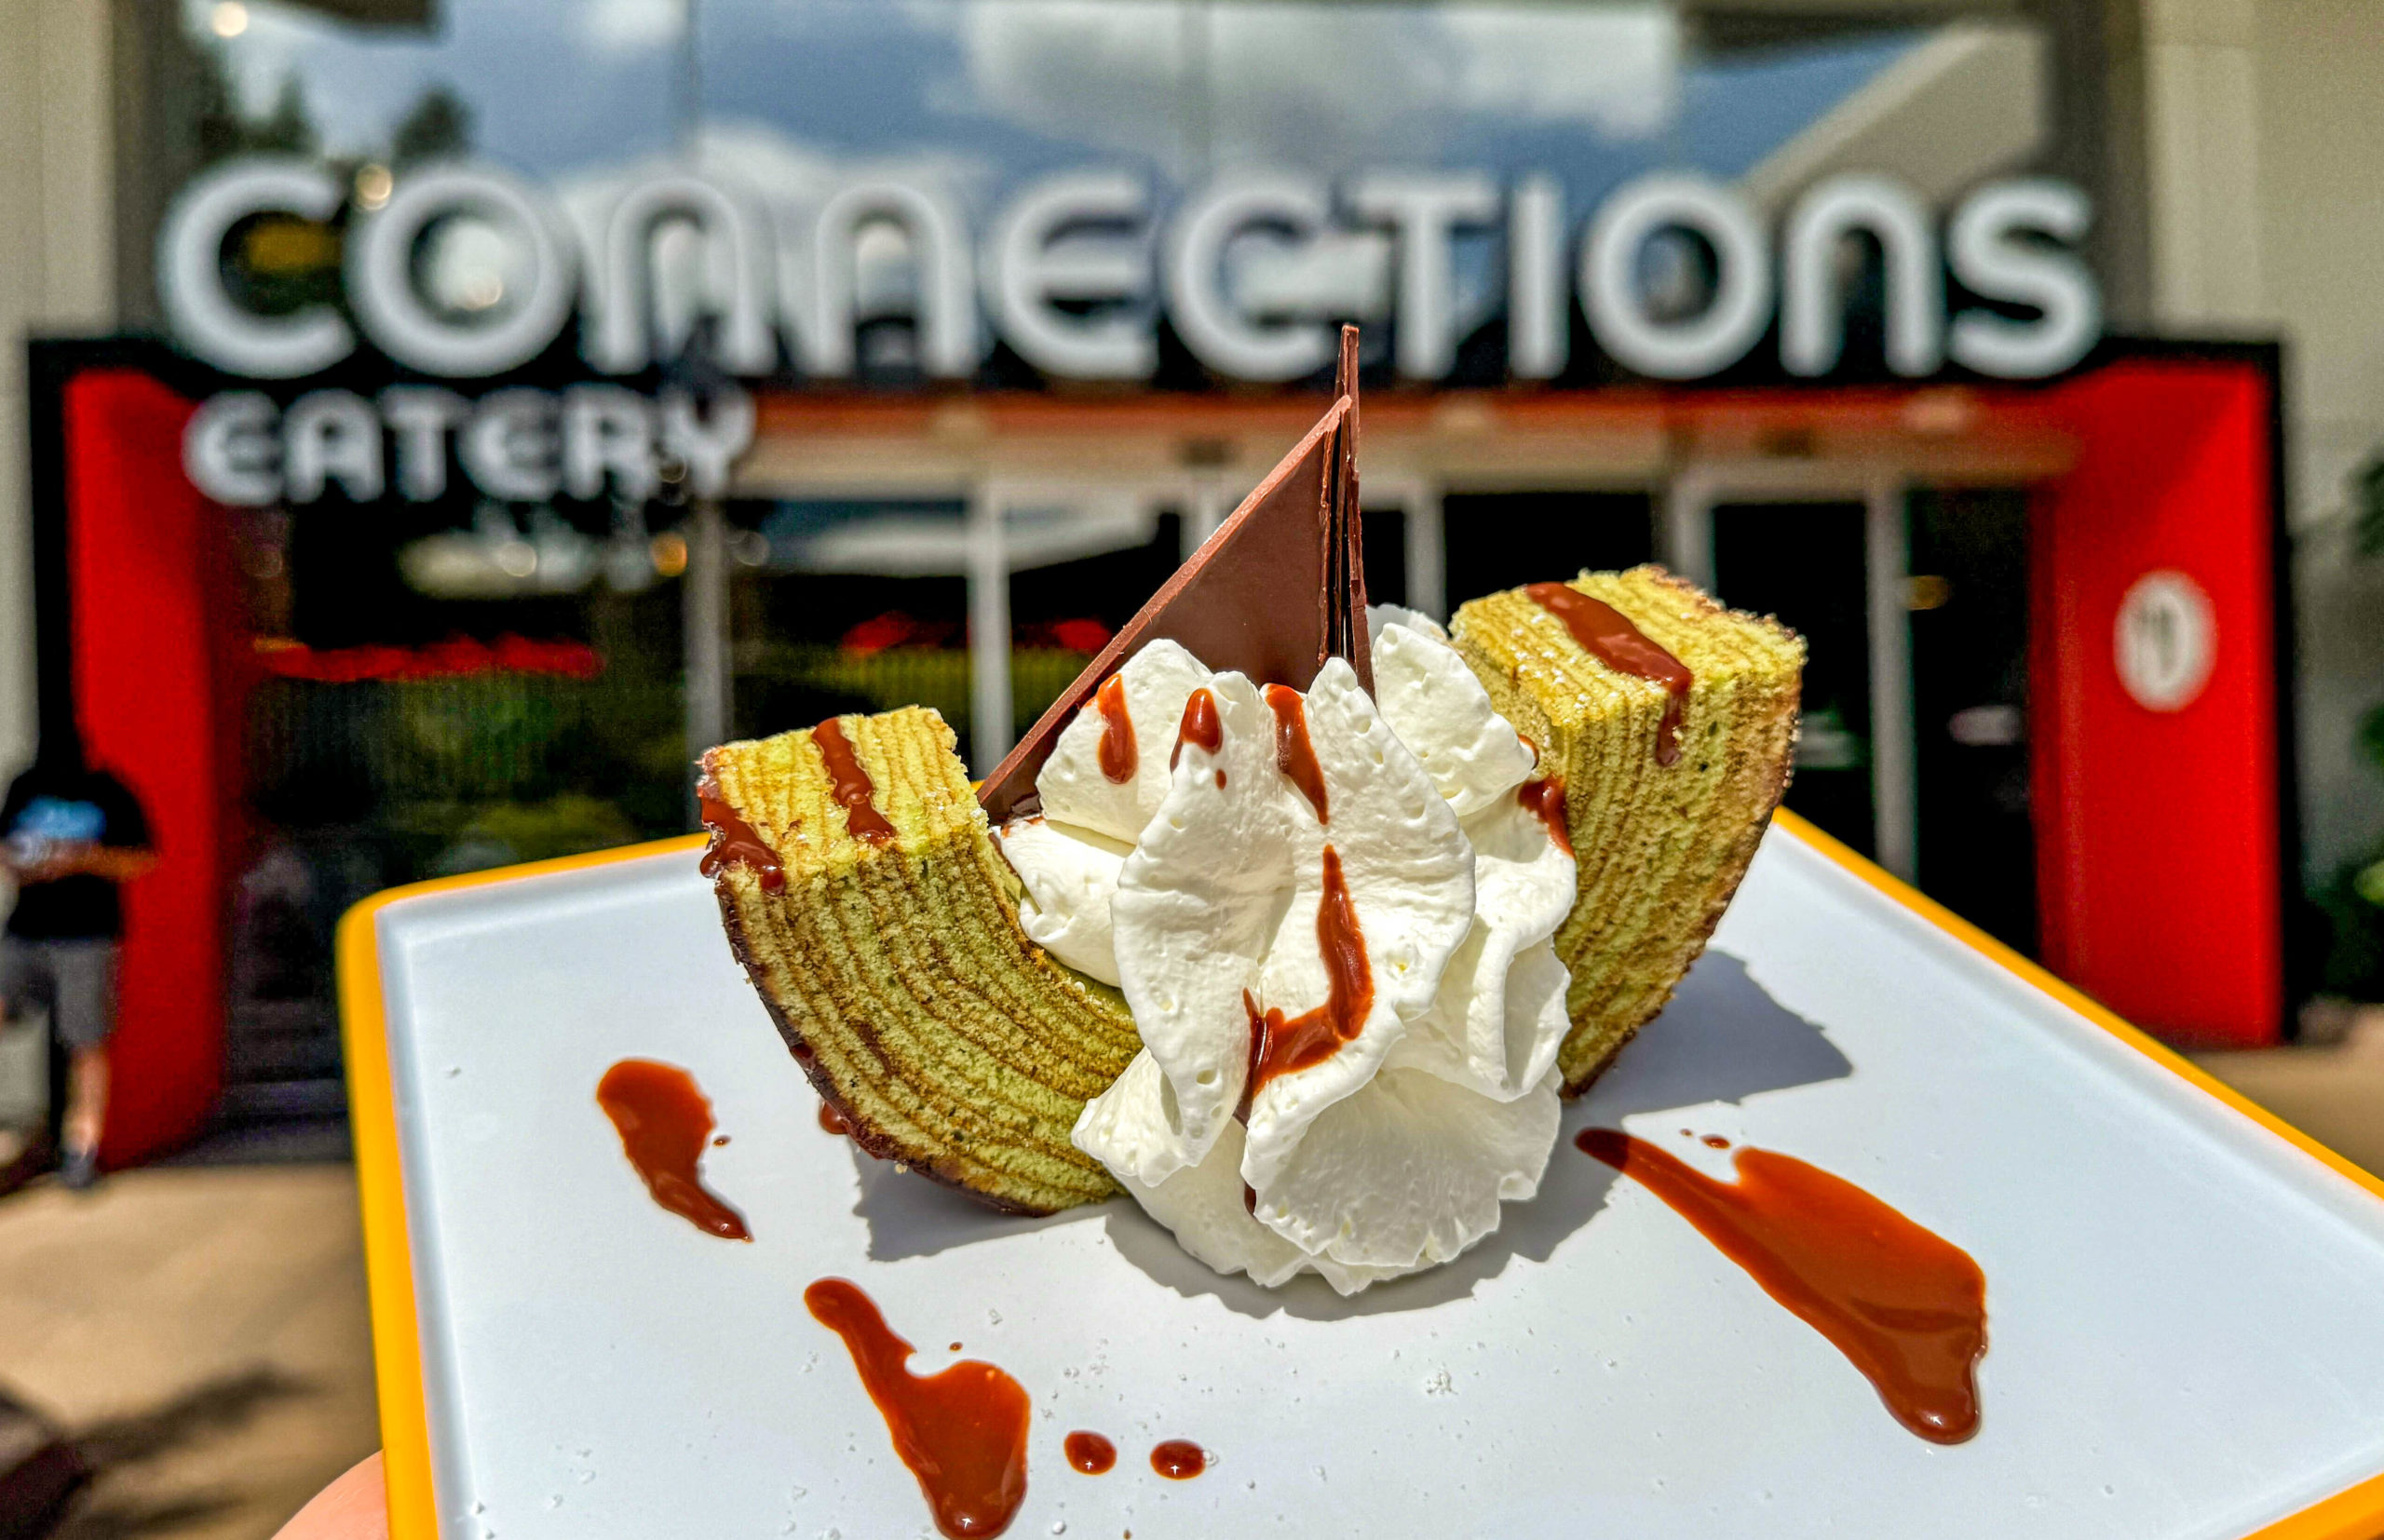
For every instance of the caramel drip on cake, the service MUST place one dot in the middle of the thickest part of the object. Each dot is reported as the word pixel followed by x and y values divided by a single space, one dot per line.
pixel 1545 798
pixel 1607 635
pixel 1294 754
pixel 1117 753
pixel 1281 1045
pixel 734 840
pixel 1200 726
pixel 854 789
pixel 1659 849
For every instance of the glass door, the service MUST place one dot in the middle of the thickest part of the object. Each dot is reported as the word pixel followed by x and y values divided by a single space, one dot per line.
pixel 1824 548
pixel 1969 669
pixel 1498 540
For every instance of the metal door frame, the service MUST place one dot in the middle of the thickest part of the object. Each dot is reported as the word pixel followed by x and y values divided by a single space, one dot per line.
pixel 1687 530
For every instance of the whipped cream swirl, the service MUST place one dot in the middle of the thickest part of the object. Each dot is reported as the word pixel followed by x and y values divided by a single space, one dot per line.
pixel 1342 900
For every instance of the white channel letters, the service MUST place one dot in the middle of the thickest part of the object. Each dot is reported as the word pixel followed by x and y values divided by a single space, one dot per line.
pixel 1074 272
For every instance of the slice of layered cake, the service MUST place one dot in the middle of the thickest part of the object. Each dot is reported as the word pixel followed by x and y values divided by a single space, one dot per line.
pixel 863 897
pixel 1665 724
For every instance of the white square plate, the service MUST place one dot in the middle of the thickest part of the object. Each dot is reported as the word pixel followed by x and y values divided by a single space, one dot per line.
pixel 2186 1308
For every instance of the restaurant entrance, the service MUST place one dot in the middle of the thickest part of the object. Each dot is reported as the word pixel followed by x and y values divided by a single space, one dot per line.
pixel 2044 622
pixel 1913 596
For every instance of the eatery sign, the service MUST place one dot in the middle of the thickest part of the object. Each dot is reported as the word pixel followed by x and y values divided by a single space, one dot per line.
pixel 1074 273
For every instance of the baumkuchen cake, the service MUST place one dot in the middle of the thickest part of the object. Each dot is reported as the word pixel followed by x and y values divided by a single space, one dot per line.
pixel 872 915
pixel 1291 917
pixel 1668 779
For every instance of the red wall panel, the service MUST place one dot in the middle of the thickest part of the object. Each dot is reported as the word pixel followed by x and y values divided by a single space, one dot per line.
pixel 2158 831
pixel 156 676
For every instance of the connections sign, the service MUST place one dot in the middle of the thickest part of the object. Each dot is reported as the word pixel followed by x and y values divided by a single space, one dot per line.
pixel 1076 275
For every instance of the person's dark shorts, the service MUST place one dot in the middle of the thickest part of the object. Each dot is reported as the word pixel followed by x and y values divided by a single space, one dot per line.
pixel 74 980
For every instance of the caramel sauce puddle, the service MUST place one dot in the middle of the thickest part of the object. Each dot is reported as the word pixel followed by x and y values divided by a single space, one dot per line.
pixel 1906 1305
pixel 1089 1452
pixel 962 1432
pixel 1179 1459
pixel 665 1122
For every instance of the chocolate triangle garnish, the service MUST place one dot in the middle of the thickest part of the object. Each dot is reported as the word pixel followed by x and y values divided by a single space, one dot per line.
pixel 1280 587
pixel 1348 525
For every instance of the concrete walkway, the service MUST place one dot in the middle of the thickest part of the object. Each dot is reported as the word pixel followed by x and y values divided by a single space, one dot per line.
pixel 2332 1092
pixel 202 1332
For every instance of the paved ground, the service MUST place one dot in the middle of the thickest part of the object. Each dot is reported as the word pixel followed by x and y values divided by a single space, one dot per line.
pixel 202 1331
pixel 2334 1093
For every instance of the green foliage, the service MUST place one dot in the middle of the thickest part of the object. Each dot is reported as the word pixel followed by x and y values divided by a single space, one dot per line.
pixel 454 775
pixel 2354 966
pixel 568 825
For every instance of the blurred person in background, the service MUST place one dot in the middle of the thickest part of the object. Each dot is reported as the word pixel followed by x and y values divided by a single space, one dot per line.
pixel 70 837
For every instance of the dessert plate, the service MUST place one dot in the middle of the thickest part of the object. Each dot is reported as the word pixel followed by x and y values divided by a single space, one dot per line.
pixel 2182 1294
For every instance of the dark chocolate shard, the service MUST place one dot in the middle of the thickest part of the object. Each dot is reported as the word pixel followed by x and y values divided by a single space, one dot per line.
pixel 1346 524
pixel 1279 588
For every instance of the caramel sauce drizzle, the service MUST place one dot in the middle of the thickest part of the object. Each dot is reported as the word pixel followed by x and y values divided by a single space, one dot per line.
pixel 1906 1305
pixel 1294 755
pixel 831 1120
pixel 735 840
pixel 1089 1452
pixel 1607 634
pixel 1280 1046
pixel 664 1122
pixel 1199 727
pixel 961 1432
pixel 1179 1459
pixel 1545 798
pixel 852 787
pixel 1117 754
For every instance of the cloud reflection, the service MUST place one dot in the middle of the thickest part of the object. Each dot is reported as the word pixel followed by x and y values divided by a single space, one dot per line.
pixel 1324 85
